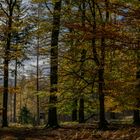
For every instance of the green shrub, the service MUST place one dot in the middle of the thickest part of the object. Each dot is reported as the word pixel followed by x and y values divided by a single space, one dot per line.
pixel 25 116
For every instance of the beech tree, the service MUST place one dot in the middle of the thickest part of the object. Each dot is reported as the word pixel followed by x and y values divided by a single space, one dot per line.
pixel 52 112
pixel 38 38
pixel 13 36
pixel 17 48
pixel 7 7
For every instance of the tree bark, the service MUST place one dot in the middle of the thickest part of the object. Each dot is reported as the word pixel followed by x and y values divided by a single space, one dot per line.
pixel 37 85
pixel 52 113
pixel 6 75
pixel 81 110
pixel 136 117
pixel 83 57
pixel 102 121
pixel 5 94
pixel 15 86
pixel 81 102
pixel 9 15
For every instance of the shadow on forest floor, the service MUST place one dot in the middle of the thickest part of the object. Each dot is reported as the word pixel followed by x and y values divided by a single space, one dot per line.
pixel 71 132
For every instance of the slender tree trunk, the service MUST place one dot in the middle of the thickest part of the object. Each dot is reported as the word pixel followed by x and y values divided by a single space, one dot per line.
pixel 81 102
pixel 9 15
pixel 102 121
pixel 81 111
pixel 37 69
pixel 6 75
pixel 100 60
pixel 5 91
pixel 83 56
pixel 15 86
pixel 37 85
pixel 10 97
pixel 136 117
pixel 52 113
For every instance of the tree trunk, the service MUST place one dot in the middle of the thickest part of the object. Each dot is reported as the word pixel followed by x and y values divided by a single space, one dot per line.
pixel 81 102
pixel 5 91
pixel 10 7
pixel 15 86
pixel 83 57
pixel 100 63
pixel 102 121
pixel 81 110
pixel 52 113
pixel 37 85
pixel 136 117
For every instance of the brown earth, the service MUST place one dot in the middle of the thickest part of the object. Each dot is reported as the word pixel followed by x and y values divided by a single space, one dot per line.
pixel 71 132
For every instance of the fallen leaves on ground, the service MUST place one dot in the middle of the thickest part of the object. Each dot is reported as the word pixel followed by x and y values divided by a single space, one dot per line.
pixel 73 132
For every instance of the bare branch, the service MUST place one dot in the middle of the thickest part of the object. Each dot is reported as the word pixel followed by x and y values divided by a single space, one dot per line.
pixel 3 10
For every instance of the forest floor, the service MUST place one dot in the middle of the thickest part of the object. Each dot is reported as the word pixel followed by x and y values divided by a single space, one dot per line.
pixel 71 132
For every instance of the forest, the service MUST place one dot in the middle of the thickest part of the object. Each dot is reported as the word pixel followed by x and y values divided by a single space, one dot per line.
pixel 69 69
